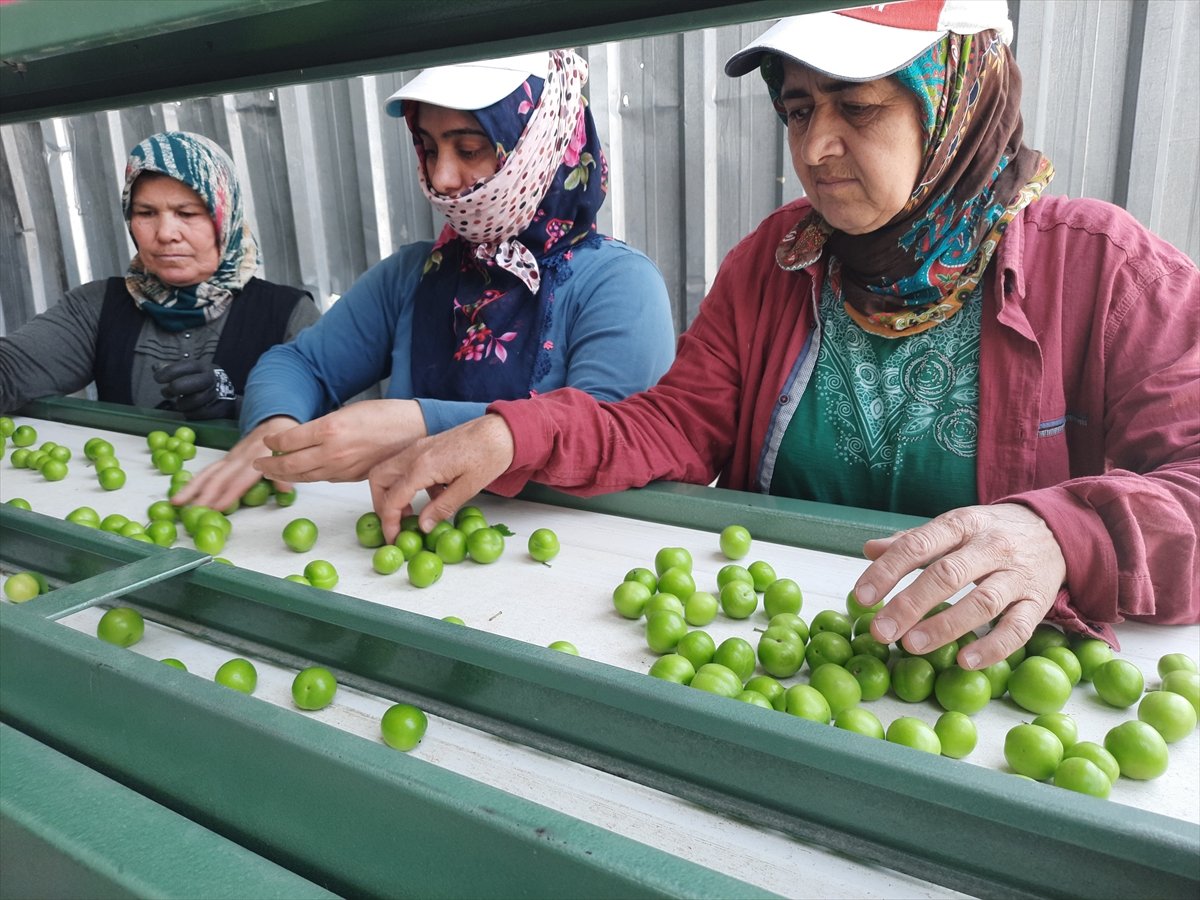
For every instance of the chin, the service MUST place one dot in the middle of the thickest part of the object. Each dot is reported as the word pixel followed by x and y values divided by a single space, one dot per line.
pixel 177 279
pixel 849 224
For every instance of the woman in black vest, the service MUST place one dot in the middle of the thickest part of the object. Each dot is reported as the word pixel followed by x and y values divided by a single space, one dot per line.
pixel 184 326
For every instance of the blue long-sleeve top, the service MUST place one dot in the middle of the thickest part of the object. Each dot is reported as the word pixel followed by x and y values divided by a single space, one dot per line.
pixel 611 333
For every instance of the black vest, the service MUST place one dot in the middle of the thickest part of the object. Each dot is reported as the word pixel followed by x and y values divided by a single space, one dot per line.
pixel 258 319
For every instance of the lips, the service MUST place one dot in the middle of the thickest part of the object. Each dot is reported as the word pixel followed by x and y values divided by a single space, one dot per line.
pixel 834 180
pixel 823 176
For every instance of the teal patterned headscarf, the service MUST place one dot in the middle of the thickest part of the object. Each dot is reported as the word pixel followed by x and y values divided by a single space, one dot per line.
pixel 977 174
pixel 205 168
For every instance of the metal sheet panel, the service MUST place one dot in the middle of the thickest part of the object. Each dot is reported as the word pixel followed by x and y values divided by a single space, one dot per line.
pixel 647 91
pixel 696 159
pixel 1164 190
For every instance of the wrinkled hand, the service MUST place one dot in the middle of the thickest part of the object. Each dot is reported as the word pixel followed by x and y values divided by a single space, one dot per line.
pixel 454 465
pixel 219 484
pixel 344 445
pixel 198 390
pixel 1007 550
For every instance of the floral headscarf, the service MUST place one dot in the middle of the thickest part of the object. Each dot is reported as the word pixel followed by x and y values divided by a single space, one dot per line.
pixel 916 270
pixel 486 296
pixel 197 162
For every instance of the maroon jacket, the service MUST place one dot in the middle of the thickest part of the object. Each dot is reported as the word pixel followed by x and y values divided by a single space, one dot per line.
pixel 1089 408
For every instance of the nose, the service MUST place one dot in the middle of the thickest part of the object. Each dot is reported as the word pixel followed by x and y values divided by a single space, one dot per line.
pixel 168 229
pixel 445 174
pixel 821 138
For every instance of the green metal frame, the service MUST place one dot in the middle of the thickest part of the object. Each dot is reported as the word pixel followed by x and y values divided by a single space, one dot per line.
pixel 220 434
pixel 126 52
pixel 251 773
pixel 810 781
pixel 348 814
pixel 51 802
pixel 801 523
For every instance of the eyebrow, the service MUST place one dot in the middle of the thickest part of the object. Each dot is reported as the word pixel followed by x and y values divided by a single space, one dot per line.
pixel 143 204
pixel 826 87
pixel 454 132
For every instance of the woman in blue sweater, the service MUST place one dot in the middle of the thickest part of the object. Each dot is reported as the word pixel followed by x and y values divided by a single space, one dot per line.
pixel 519 294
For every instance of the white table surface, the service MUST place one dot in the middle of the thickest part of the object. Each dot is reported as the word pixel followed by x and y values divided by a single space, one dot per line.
pixel 570 600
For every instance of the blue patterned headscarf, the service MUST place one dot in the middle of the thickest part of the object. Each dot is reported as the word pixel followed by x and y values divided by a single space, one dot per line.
pixel 976 175
pixel 483 306
pixel 197 162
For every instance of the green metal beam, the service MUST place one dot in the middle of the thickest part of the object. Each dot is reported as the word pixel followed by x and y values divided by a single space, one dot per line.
pixel 115 583
pixel 31 32
pixel 61 550
pixel 959 825
pixel 221 434
pixel 344 812
pixel 120 60
pixel 68 831
pixel 782 520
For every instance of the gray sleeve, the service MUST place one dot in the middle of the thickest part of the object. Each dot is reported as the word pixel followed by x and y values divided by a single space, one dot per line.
pixel 52 354
pixel 304 314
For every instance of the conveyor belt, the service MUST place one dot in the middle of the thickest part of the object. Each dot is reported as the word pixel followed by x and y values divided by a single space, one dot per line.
pixel 518 599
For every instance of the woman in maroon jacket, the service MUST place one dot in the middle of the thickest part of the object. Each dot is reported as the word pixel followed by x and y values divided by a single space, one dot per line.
pixel 922 334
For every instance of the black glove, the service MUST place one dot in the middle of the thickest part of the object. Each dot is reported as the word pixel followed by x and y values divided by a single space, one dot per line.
pixel 198 390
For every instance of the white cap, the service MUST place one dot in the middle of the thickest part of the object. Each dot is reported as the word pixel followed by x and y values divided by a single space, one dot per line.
pixel 469 86
pixel 870 42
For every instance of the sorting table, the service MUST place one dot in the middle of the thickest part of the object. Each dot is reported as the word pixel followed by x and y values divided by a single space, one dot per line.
pixel 540 772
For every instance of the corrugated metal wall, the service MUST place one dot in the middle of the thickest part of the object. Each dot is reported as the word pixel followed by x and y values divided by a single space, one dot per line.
pixel 1112 93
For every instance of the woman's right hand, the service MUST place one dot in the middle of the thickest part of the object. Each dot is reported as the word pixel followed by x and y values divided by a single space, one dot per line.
pixel 454 466
pixel 343 445
pixel 220 484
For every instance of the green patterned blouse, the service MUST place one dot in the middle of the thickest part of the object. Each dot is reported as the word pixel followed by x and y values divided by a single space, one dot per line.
pixel 887 424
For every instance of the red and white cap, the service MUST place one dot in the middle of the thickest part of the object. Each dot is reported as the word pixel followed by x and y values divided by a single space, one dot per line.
pixel 869 42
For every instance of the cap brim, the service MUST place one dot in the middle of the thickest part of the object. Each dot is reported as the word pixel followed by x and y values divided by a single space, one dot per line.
pixel 468 86
pixel 839 46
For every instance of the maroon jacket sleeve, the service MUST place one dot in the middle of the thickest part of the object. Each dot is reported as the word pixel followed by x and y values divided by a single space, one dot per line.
pixel 1129 535
pixel 709 413
pixel 678 430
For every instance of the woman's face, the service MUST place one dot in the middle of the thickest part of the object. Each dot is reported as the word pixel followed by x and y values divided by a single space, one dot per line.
pixel 856 147
pixel 458 152
pixel 176 239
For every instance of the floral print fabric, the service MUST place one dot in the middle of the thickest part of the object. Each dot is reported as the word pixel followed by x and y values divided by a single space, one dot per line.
pixel 206 169
pixel 486 296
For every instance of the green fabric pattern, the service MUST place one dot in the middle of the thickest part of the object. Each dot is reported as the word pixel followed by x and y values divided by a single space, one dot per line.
pixel 893 422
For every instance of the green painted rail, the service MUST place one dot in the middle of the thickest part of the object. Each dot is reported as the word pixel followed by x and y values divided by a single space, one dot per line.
pixel 68 831
pixel 101 57
pixel 960 826
pixel 800 523
pixel 349 814
pixel 220 434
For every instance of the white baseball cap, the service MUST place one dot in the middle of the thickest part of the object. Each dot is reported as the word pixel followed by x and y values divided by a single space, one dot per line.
pixel 473 85
pixel 869 42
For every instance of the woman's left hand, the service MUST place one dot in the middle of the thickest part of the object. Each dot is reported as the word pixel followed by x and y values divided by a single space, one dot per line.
pixel 343 445
pixel 1007 550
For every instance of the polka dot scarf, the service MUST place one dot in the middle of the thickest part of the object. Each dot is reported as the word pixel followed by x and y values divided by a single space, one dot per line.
pixel 486 296
pixel 495 211
pixel 206 169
